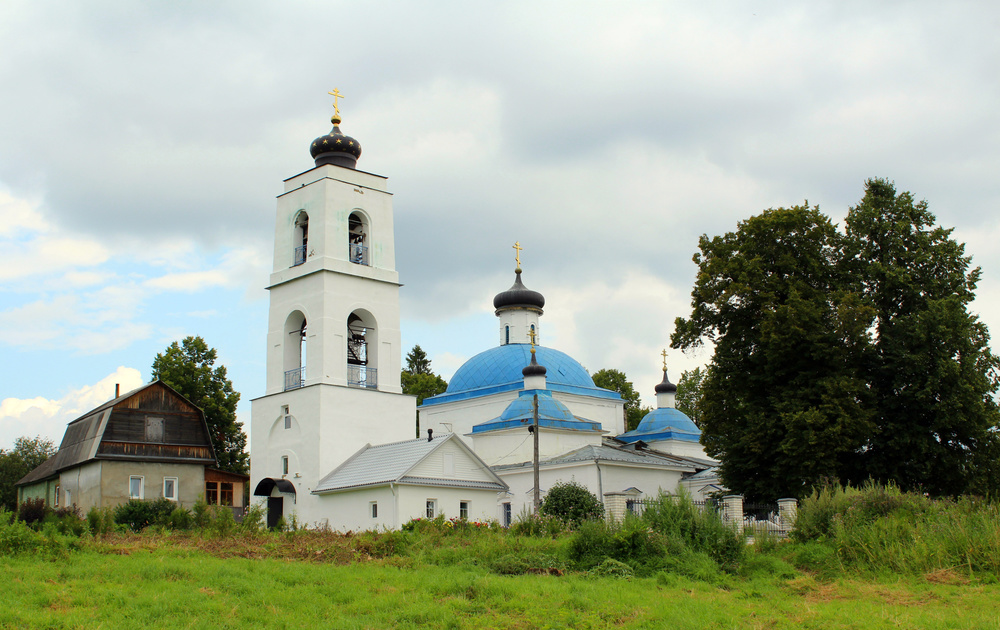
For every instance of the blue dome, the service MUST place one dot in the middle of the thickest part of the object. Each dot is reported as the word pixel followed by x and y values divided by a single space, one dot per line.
pixel 551 413
pixel 503 364
pixel 665 423
pixel 499 369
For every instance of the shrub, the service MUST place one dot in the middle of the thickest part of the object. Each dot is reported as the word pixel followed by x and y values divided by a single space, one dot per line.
pixel 223 524
pixel 202 515
pixel 101 521
pixel 66 521
pixel 612 568
pixel 694 527
pixel 253 519
pixel 572 503
pixel 32 511
pixel 137 514
pixel 527 562
pixel 541 525
pixel 17 537
pixel 180 519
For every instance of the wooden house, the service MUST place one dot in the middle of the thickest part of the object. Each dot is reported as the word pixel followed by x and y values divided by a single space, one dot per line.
pixel 146 444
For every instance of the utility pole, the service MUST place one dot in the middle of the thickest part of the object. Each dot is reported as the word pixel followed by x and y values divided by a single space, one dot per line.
pixel 534 427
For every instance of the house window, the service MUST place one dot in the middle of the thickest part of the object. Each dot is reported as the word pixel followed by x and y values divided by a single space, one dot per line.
pixel 135 487
pixel 431 508
pixel 225 493
pixel 212 492
pixel 463 510
pixel 505 514
pixel 170 488
pixel 284 464
pixel 69 499
pixel 154 429
pixel 374 508
pixel 57 496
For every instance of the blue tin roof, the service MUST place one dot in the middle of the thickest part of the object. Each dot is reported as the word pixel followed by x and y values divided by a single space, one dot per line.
pixel 499 370
pixel 665 423
pixel 551 413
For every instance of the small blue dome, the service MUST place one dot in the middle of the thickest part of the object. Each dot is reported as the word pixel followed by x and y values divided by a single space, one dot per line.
pixel 551 413
pixel 665 423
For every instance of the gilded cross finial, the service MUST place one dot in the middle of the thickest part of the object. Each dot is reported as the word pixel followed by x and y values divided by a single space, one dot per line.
pixel 532 333
pixel 336 95
pixel 517 255
pixel 664 353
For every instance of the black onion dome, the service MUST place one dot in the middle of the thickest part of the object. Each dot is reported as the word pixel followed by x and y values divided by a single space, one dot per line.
pixel 533 368
pixel 665 386
pixel 335 148
pixel 518 296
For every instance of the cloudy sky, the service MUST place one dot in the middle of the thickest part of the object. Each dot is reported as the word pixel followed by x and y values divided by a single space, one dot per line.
pixel 142 146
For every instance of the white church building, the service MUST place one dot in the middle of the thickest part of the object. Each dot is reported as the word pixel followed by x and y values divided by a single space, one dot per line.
pixel 332 437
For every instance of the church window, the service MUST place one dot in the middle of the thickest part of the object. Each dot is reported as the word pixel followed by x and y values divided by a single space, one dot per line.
pixel 170 488
pixel 362 342
pixel 135 487
pixel 431 508
pixel 374 508
pixel 463 510
pixel 533 335
pixel 295 351
pixel 506 332
pixel 301 239
pixel 357 239
pixel 284 464
pixel 57 496
pixel 505 511
pixel 288 416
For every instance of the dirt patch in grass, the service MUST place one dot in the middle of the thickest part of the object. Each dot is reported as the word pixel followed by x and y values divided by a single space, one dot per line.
pixel 946 576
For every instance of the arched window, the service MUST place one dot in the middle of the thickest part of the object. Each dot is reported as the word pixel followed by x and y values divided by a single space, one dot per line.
pixel 357 243
pixel 295 351
pixel 301 238
pixel 362 348
pixel 506 334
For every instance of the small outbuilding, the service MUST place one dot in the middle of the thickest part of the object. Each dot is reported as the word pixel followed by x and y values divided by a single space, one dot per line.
pixel 387 485
pixel 149 443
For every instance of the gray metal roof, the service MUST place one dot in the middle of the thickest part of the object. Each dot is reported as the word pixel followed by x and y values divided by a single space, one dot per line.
pixel 390 463
pixel 609 453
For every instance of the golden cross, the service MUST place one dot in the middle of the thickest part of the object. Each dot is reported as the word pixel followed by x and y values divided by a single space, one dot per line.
pixel 336 94
pixel 664 353
pixel 517 255
pixel 532 333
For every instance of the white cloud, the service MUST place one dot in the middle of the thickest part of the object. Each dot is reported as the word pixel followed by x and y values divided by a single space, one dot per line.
pixel 49 417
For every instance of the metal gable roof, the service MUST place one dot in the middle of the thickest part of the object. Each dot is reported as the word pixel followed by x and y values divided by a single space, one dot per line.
pixel 390 463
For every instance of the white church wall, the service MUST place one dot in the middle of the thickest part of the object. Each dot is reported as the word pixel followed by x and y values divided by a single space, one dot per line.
pixel 681 448
pixel 330 424
pixel 352 510
pixel 451 461
pixel 511 446
pixel 413 502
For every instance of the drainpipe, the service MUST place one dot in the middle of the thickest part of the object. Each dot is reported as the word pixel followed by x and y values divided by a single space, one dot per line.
pixel 600 481
pixel 395 506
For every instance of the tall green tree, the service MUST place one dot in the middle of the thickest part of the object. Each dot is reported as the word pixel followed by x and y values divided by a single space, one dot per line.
pixel 417 361
pixel 189 367
pixel 929 366
pixel 782 404
pixel 419 380
pixel 617 381
pixel 27 454
pixel 688 398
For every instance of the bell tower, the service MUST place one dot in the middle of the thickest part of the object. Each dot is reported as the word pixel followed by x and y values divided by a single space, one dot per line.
pixel 333 340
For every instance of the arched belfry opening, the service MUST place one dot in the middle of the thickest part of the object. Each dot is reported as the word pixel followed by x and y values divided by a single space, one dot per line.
pixel 358 238
pixel 362 350
pixel 295 351
pixel 300 238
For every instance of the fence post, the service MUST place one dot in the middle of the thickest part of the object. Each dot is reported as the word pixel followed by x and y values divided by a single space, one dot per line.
pixel 614 506
pixel 732 510
pixel 788 510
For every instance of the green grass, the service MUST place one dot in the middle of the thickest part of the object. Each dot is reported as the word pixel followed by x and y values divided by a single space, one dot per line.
pixel 159 581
